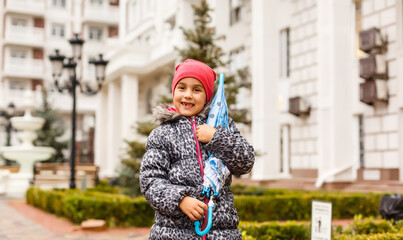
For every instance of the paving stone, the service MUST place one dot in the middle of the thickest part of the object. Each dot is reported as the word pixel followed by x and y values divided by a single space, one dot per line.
pixel 15 226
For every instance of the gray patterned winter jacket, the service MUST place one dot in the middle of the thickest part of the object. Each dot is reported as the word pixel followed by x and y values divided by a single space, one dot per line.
pixel 170 171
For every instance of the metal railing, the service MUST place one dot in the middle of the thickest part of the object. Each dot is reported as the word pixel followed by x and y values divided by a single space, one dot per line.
pixel 26 5
pixel 23 66
pixel 25 34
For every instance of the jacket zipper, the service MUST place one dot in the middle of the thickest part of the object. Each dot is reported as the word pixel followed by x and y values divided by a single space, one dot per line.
pixel 200 160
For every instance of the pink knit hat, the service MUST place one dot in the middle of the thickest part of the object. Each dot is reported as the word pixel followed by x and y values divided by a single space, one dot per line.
pixel 198 70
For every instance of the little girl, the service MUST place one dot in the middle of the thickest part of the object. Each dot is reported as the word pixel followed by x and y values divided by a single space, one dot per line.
pixel 171 174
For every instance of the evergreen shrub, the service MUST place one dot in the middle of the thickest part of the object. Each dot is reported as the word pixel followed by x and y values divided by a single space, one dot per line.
pixel 297 206
pixel 275 231
pixel 77 206
pixel 379 236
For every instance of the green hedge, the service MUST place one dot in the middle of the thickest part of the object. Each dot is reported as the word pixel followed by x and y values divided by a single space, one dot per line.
pixel 366 228
pixel 284 206
pixel 239 189
pixel 77 206
pixel 294 206
pixel 381 236
pixel 275 230
pixel 49 201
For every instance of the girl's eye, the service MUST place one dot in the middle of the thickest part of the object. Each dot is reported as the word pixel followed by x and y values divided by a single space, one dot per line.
pixel 181 87
pixel 197 90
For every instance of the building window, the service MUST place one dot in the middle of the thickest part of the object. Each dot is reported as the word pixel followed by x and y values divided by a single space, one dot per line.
pixel 18 54
pixel 95 33
pixel 18 85
pixel 237 60
pixel 58 30
pixel 19 22
pixel 114 2
pixel 113 31
pixel 237 11
pixel 361 139
pixel 59 3
pixel 96 3
pixel 285 53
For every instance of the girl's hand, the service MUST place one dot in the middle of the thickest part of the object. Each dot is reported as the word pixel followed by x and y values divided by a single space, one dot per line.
pixel 192 207
pixel 205 133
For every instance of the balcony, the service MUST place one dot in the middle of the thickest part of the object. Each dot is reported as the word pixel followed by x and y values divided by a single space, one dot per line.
pixel 31 7
pixel 61 102
pixel 24 68
pixel 101 14
pixel 21 35
pixel 64 102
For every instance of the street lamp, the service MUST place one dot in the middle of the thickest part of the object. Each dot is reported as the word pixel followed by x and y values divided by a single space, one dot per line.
pixel 60 62
pixel 9 113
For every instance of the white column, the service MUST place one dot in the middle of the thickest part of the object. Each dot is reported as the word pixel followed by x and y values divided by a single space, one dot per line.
pixel 265 126
pixel 101 120
pixel 335 108
pixel 114 139
pixel 123 8
pixel 130 95
pixel 399 63
pixel 76 7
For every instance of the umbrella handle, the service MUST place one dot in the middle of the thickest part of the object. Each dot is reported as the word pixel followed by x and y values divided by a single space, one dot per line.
pixel 209 221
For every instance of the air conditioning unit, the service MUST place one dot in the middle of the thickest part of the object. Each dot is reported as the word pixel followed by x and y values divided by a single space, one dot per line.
pixel 373 90
pixel 298 106
pixel 373 66
pixel 371 39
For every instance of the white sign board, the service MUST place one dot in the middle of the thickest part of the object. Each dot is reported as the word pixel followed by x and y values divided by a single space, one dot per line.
pixel 321 220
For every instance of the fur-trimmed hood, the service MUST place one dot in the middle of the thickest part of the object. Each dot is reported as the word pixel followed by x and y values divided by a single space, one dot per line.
pixel 161 113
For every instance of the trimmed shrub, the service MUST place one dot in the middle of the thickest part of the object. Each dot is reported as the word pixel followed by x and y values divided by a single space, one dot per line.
pixel 295 206
pixel 239 189
pixel 115 209
pixel 370 226
pixel 49 201
pixel 380 236
pixel 103 186
pixel 275 230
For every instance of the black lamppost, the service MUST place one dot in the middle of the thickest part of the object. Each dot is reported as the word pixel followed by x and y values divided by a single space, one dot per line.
pixel 59 62
pixel 9 113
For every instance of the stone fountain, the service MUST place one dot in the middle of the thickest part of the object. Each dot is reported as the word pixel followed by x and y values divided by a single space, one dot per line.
pixel 26 154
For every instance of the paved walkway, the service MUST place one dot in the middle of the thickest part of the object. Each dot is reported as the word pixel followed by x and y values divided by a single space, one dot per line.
pixel 34 224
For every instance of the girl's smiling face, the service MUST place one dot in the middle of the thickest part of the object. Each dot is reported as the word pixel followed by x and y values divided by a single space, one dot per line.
pixel 189 96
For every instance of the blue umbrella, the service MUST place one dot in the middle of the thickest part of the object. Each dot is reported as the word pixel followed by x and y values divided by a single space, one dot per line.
pixel 215 172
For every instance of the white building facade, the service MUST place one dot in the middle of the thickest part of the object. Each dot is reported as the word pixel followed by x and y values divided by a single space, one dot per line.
pixel 306 50
pixel 32 30
pixel 310 49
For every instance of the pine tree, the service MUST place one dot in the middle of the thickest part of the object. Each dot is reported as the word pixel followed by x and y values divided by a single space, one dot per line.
pixel 202 47
pixel 52 129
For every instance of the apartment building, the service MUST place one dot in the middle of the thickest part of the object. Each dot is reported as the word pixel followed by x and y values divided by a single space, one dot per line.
pixel 142 61
pixel 328 123
pixel 32 29
pixel 322 114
